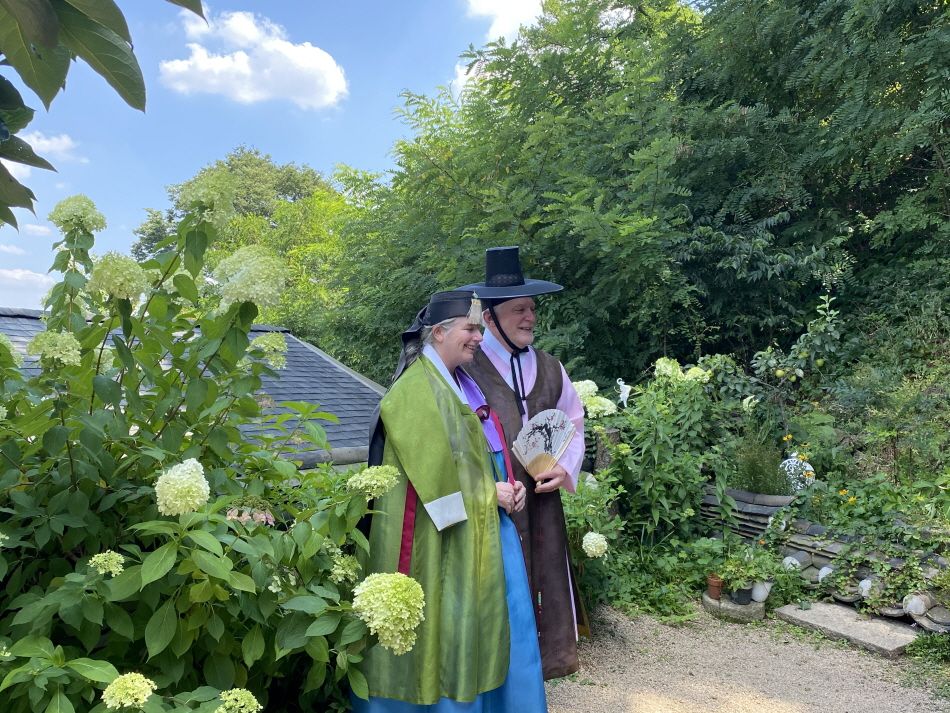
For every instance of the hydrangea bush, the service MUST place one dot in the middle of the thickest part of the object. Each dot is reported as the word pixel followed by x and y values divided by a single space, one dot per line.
pixel 151 556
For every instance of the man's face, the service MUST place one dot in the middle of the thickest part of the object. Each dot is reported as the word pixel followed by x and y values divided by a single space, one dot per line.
pixel 516 317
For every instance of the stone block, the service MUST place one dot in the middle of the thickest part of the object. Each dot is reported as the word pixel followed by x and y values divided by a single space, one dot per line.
pixel 883 636
pixel 727 609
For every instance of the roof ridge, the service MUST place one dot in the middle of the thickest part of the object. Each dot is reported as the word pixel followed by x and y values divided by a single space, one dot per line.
pixel 20 312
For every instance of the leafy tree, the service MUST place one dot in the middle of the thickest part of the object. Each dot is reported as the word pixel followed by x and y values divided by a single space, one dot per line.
pixel 39 39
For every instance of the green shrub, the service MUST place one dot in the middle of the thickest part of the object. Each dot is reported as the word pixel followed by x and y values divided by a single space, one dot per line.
pixel 141 531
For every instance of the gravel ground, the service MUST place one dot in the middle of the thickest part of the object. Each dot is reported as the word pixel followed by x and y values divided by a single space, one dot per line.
pixel 709 666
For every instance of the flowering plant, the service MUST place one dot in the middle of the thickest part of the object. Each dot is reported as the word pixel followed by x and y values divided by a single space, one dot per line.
pixel 392 606
pixel 140 530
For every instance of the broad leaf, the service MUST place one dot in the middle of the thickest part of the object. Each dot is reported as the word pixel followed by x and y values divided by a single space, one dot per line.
pixel 16 149
pixel 12 192
pixel 193 5
pixel 33 647
pixel 157 564
pixel 36 20
pixel 206 540
pixel 161 628
pixel 59 703
pixel 252 646
pixel 99 671
pixel 105 51
pixel 105 12
pixel 43 71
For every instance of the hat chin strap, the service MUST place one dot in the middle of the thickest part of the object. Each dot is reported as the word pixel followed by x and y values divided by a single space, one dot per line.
pixel 517 375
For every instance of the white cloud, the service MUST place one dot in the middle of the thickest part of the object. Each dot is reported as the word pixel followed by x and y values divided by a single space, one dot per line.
pixel 58 148
pixel 23 288
pixel 34 229
pixel 506 15
pixel 462 77
pixel 248 58
pixel 11 249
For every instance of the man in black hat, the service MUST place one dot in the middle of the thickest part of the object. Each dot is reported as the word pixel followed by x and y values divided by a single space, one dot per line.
pixel 518 382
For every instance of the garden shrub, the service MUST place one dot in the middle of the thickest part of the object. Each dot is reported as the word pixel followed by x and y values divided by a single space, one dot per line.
pixel 142 533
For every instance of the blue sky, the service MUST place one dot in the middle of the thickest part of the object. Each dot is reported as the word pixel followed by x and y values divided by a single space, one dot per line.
pixel 309 81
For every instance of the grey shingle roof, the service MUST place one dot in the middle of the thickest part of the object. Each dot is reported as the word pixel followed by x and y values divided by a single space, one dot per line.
pixel 310 375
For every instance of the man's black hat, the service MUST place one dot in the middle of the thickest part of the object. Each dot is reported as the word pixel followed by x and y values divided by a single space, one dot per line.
pixel 504 279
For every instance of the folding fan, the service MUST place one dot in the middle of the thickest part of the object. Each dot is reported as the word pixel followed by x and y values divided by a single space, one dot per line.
pixel 543 440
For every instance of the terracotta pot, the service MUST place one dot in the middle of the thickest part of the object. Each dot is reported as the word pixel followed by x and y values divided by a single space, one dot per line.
pixel 713 586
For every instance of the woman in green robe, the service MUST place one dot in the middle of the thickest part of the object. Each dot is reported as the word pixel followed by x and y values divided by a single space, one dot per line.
pixel 446 525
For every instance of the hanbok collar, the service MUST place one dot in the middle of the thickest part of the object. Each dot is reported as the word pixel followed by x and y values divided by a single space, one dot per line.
pixel 429 352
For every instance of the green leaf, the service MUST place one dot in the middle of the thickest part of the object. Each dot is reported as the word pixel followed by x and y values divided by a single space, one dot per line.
pixel 33 647
pixel 157 563
pixel 211 565
pixel 186 287
pixel 305 603
pixel 107 390
pixel 252 646
pixel 358 683
pixel 242 582
pixel 105 51
pixel 195 394
pixel 16 149
pixel 353 631
pixel 325 624
pixel 126 584
pixel 119 621
pixel 99 671
pixel 161 628
pixel 59 703
pixel 36 20
pixel 43 70
pixel 105 12
pixel 205 539
pixel 193 5
pixel 12 192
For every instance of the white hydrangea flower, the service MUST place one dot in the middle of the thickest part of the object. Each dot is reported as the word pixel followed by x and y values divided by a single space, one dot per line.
pixel 585 388
pixel 374 481
pixel 668 367
pixel 5 343
pixel 61 347
pixel 118 276
pixel 346 568
pixel 594 545
pixel 130 690
pixel 392 606
pixel 3 412
pixel 182 488
pixel 251 274
pixel 77 213
pixel 108 562
pixel 598 406
pixel 3 539
pixel 694 373
pixel 238 700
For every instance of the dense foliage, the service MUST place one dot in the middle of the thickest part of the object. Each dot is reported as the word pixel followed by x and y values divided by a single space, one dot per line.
pixel 142 532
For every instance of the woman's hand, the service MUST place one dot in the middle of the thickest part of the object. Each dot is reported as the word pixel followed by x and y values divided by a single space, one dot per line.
pixel 506 496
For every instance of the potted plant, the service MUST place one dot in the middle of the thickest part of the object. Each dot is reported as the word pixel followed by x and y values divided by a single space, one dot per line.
pixel 747 573
pixel 713 586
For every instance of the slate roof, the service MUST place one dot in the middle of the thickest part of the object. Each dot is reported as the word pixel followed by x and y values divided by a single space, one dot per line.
pixel 311 375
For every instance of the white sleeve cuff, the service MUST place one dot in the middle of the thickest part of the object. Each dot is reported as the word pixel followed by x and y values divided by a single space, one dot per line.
pixel 447 510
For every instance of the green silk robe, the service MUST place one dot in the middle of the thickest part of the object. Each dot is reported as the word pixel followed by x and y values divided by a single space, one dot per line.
pixel 438 444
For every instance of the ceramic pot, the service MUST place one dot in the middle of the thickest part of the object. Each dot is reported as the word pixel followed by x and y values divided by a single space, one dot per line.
pixel 760 591
pixel 741 596
pixel 713 586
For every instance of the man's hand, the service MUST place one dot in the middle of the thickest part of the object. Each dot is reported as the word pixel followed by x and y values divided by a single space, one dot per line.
pixel 550 480
pixel 520 494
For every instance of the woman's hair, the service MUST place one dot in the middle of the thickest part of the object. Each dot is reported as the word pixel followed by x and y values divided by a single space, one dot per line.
pixel 413 348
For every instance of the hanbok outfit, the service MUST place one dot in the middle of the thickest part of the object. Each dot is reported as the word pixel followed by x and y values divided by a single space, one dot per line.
pixel 476 650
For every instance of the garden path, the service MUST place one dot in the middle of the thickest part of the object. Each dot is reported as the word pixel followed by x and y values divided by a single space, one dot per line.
pixel 642 666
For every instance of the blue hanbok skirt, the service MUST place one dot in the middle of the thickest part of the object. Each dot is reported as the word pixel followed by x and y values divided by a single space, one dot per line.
pixel 523 689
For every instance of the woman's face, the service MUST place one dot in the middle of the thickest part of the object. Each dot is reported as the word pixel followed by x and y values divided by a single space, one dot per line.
pixel 457 343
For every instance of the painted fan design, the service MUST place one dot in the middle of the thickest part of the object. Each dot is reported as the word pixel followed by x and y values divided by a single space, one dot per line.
pixel 543 440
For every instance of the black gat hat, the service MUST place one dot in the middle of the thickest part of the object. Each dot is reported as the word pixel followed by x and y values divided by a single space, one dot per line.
pixel 504 279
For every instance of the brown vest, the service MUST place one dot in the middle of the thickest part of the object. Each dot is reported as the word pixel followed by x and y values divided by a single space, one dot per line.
pixel 541 523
